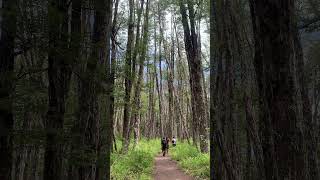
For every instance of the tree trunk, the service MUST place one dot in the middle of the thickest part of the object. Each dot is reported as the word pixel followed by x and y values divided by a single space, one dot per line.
pixel 151 111
pixel 137 92
pixel 282 139
pixel 169 57
pixel 128 81
pixel 7 37
pixel 105 167
pixel 309 123
pixel 113 73
pixel 195 69
pixel 134 119
pixel 59 74
pixel 159 81
pixel 225 137
pixel 94 130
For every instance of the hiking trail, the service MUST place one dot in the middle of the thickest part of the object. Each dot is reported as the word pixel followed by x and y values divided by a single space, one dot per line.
pixel 167 169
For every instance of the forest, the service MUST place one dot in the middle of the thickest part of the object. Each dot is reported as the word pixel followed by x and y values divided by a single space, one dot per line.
pixel 89 89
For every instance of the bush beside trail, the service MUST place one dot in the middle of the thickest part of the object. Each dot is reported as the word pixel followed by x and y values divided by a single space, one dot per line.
pixel 137 164
pixel 191 160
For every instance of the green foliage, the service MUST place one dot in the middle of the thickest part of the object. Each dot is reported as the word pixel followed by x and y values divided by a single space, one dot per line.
pixel 191 160
pixel 137 164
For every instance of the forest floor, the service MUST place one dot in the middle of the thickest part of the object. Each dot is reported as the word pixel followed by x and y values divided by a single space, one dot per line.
pixel 167 169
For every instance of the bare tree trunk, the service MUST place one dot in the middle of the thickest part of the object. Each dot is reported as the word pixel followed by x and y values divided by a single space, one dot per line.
pixel 226 127
pixel 282 138
pixel 151 102
pixel 195 69
pixel 128 81
pixel 59 74
pixel 139 81
pixel 95 131
pixel 159 81
pixel 106 145
pixel 113 65
pixel 152 113
pixel 169 57
pixel 309 123
pixel 7 37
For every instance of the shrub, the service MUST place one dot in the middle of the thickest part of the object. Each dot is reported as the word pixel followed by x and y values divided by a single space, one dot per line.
pixel 137 164
pixel 191 160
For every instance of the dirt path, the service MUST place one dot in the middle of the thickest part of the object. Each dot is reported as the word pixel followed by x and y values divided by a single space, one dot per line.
pixel 167 169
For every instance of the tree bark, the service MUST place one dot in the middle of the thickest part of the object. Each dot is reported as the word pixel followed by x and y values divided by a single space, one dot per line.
pixel 195 69
pixel 134 119
pixel 59 74
pixel 310 124
pixel 137 92
pixel 94 127
pixel 282 139
pixel 128 81
pixel 105 167
pixel 159 81
pixel 111 79
pixel 7 37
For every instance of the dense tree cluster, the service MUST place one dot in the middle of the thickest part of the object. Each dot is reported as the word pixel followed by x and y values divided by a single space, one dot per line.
pixel 75 75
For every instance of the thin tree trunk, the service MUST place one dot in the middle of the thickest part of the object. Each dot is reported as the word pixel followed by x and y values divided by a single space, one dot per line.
pixel 128 81
pixel 159 81
pixel 106 146
pixel 169 60
pixel 151 103
pixel 139 81
pixel 113 70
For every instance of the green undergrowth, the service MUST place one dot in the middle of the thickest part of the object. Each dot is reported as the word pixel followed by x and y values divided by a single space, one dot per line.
pixel 137 164
pixel 191 160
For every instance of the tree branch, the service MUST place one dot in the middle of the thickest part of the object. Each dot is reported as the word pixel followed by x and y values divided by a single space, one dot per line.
pixel 307 22
pixel 31 72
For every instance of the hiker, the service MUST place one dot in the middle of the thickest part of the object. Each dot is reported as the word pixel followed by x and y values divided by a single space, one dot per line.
pixel 174 142
pixel 164 146
pixel 168 141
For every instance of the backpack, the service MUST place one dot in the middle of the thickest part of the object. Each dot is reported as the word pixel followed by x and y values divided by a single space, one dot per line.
pixel 164 142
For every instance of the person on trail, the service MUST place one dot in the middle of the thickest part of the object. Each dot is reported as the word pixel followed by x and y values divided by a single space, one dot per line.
pixel 164 146
pixel 174 142
pixel 168 141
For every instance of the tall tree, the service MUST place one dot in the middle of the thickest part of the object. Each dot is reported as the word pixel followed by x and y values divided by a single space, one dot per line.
pixel 212 87
pixel 227 128
pixel 113 64
pixel 138 47
pixel 310 132
pixel 170 58
pixel 274 30
pixel 110 71
pixel 59 74
pixel 76 42
pixel 7 37
pixel 159 78
pixel 95 129
pixel 128 81
pixel 195 71
pixel 139 81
